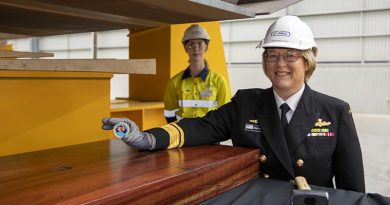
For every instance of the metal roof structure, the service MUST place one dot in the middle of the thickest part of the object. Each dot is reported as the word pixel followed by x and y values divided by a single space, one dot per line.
pixel 52 17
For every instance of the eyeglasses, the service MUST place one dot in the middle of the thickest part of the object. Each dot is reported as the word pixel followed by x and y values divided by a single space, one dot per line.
pixel 192 45
pixel 291 56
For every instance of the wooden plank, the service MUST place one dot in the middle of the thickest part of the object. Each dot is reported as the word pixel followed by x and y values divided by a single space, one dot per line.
pixel 20 54
pixel 110 172
pixel 132 66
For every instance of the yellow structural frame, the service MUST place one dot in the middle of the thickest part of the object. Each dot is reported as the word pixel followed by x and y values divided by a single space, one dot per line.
pixel 42 110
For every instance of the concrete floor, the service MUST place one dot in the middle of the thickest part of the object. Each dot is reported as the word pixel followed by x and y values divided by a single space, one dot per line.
pixel 374 136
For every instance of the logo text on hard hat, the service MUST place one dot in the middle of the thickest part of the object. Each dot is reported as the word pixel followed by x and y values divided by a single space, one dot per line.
pixel 280 33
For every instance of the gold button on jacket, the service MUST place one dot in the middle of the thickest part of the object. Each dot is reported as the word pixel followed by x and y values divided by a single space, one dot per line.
pixel 263 158
pixel 300 163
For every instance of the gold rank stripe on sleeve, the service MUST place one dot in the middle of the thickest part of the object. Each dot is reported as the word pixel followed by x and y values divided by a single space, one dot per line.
pixel 176 135
pixel 181 134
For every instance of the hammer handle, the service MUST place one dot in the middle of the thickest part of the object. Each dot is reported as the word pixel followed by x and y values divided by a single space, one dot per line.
pixel 301 183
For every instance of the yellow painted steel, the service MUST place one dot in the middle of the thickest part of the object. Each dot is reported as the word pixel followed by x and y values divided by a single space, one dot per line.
pixel 164 44
pixel 145 114
pixel 7 47
pixel 152 43
pixel 42 110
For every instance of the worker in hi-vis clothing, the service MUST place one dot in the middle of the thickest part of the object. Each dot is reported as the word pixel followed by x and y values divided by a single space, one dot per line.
pixel 196 90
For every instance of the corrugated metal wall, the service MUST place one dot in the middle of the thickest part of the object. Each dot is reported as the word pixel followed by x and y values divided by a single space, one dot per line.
pixel 362 27
pixel 353 38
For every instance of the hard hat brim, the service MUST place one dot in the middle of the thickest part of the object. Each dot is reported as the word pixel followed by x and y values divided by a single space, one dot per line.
pixel 282 44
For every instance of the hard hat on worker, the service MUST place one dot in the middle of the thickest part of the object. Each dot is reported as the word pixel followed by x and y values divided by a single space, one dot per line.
pixel 289 32
pixel 195 31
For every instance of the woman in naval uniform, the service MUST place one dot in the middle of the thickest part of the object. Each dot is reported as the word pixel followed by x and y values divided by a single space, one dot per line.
pixel 299 131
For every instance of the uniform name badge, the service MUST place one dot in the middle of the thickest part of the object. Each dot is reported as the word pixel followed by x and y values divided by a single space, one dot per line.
pixel 252 126
pixel 206 93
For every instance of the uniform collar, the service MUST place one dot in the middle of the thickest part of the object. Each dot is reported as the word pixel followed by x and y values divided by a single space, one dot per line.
pixel 203 74
pixel 292 101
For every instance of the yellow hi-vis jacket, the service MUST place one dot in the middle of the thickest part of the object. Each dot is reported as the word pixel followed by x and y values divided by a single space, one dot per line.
pixel 189 97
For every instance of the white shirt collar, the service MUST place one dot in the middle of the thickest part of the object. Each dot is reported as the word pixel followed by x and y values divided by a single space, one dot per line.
pixel 292 101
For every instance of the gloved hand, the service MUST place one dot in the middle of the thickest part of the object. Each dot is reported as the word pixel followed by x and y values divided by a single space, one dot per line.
pixel 135 138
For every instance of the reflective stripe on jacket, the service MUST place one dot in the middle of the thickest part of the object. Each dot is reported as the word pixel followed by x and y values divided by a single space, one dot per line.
pixel 188 97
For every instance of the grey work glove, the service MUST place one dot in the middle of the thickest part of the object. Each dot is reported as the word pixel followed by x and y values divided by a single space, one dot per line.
pixel 135 138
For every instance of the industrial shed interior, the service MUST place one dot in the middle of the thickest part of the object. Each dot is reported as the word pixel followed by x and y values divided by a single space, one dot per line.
pixel 66 64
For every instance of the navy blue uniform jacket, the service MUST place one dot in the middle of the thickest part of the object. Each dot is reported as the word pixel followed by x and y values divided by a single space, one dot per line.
pixel 321 143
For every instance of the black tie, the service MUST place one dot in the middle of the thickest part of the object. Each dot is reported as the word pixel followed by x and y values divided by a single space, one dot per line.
pixel 285 108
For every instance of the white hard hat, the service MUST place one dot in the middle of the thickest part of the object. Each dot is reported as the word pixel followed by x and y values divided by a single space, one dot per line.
pixel 195 31
pixel 289 32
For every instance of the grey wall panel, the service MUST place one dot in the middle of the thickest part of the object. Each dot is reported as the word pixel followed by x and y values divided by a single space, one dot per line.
pixel 66 42
pixel 339 49
pixel 113 39
pixel 376 4
pixel 115 53
pixel 227 50
pixel 377 22
pixel 23 44
pixel 53 43
pixel 80 41
pixel 244 52
pixel 225 31
pixel 247 76
pixel 79 54
pixel 119 86
pixel 337 25
pixel 377 48
pixel 365 87
pixel 320 6
pixel 249 30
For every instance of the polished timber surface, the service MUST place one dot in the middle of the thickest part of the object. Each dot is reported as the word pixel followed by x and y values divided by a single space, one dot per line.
pixel 110 172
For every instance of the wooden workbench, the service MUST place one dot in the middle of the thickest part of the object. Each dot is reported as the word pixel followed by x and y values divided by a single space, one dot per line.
pixel 110 172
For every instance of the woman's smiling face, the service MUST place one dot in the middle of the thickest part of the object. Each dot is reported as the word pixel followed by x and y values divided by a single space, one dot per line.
pixel 286 69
